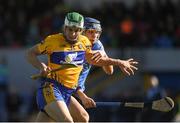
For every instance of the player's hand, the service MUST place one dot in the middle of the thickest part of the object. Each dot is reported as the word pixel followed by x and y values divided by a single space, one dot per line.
pixel 44 71
pixel 97 56
pixel 88 102
pixel 128 66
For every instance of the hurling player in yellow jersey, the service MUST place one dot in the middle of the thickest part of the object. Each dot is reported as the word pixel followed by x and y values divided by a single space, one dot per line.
pixel 54 96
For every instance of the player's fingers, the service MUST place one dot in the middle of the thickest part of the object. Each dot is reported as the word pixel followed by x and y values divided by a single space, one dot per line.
pixel 93 104
pixel 89 105
pixel 48 68
pixel 43 72
pixel 131 70
pixel 96 56
pixel 133 62
pixel 126 72
pixel 133 67
pixel 85 104
pixel 131 59
pixel 96 59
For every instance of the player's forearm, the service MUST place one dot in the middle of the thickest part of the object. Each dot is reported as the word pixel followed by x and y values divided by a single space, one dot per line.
pixel 81 94
pixel 31 56
pixel 105 61
pixel 108 69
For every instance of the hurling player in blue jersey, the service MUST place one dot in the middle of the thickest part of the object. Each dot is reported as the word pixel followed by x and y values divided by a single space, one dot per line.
pixel 92 30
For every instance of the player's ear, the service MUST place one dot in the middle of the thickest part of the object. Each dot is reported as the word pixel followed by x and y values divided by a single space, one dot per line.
pixel 64 28
pixel 99 34
pixel 84 32
pixel 81 30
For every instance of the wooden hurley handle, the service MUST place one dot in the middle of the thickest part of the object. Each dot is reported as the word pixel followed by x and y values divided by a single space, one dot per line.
pixel 66 65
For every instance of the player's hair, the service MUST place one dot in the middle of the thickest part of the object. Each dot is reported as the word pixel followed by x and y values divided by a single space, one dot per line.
pixel 74 19
pixel 92 23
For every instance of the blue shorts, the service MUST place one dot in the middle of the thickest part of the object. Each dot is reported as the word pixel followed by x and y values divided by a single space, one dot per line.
pixel 50 91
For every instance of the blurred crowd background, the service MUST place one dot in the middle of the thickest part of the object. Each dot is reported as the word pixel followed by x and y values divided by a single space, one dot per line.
pixel 144 29
pixel 143 24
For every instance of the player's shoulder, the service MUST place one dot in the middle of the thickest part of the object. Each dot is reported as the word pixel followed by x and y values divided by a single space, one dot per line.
pixel 98 42
pixel 55 36
pixel 97 45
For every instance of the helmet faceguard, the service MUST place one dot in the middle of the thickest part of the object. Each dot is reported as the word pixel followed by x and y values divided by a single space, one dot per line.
pixel 91 23
pixel 92 29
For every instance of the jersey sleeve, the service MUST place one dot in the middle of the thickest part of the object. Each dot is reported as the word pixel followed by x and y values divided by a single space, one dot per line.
pixel 101 45
pixel 45 46
pixel 98 46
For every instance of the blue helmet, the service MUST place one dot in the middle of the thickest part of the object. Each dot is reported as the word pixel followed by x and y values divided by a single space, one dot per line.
pixel 91 23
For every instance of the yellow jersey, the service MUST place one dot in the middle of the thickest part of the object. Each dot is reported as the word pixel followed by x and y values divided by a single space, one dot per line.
pixel 59 51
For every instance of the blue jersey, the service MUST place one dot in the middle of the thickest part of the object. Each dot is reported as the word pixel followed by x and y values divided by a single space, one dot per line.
pixel 97 45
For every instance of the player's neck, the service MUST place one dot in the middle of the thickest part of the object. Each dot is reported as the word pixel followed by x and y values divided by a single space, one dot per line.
pixel 69 41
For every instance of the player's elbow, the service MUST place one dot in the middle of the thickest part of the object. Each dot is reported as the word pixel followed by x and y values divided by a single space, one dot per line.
pixel 28 53
pixel 31 53
pixel 108 70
